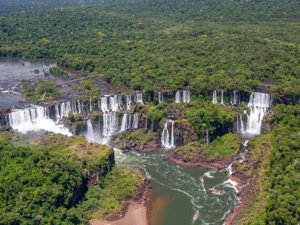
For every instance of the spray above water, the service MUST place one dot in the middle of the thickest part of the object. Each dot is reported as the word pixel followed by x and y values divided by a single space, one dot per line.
pixel 35 118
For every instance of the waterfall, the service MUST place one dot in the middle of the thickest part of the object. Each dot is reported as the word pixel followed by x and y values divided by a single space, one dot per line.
pixel 128 123
pixel 234 100
pixel 114 103
pixel 186 96
pixel 79 106
pixel 90 136
pixel 160 97
pixel 215 97
pixel 63 109
pixel 128 102
pixel 110 126
pixel 35 118
pixel 139 98
pixel 259 104
pixel 120 102
pixel 167 140
pixel 182 95
pixel 207 136
pixel 222 97
pixel 104 104
pixel 135 124
pixel 124 123
pixel 177 97
pixel 91 107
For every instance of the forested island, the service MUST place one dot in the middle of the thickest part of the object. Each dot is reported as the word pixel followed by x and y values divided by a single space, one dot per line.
pixel 164 112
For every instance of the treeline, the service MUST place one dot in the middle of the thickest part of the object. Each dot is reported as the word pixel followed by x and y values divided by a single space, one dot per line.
pixel 164 45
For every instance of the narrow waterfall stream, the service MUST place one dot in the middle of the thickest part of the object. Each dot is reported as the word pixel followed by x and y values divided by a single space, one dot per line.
pixel 167 138
pixel 215 97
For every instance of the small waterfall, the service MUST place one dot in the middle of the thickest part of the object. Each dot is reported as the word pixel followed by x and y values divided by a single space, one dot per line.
pixel 222 97
pixel 79 106
pixel 128 102
pixel 35 118
pixel 259 103
pixel 135 124
pixel 234 98
pixel 186 96
pixel 110 126
pixel 91 106
pixel 215 97
pixel 114 103
pixel 139 98
pixel 120 102
pixel 63 109
pixel 128 123
pixel 124 124
pixel 90 136
pixel 182 95
pixel 206 136
pixel 109 107
pixel 167 140
pixel 104 104
pixel 177 97
pixel 160 97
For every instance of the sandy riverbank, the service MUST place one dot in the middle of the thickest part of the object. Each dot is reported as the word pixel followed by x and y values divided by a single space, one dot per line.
pixel 136 215
pixel 135 212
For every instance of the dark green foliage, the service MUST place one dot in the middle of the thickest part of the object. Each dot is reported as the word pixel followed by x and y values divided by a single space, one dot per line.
pixel 155 112
pixel 205 115
pixel 36 92
pixel 38 184
pixel 87 89
pixel 283 206
pixel 58 72
pixel 108 198
pixel 35 184
pixel 226 146
pixel 166 44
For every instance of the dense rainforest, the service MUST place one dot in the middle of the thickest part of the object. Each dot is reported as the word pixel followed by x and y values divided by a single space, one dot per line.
pixel 168 44
pixel 160 45
pixel 49 182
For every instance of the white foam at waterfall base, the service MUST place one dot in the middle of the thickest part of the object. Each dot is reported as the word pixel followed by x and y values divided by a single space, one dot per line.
pixel 35 118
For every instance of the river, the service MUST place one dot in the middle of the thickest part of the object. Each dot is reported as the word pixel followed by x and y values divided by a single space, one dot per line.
pixel 12 72
pixel 178 191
